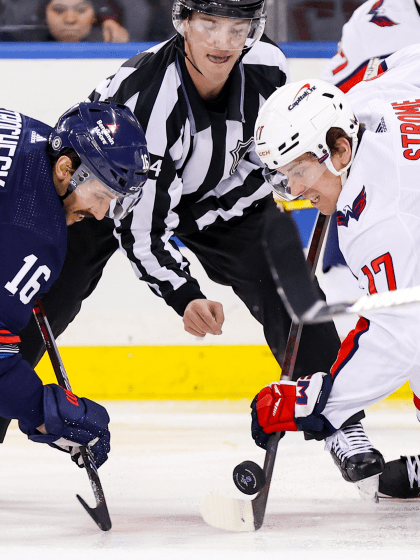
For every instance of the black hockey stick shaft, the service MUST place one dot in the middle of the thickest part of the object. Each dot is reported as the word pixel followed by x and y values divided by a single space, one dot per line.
pixel 99 513
pixel 259 504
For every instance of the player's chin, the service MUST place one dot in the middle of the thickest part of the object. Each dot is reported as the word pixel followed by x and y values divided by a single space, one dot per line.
pixel 325 209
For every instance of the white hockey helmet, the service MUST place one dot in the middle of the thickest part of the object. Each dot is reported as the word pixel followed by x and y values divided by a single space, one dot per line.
pixel 295 120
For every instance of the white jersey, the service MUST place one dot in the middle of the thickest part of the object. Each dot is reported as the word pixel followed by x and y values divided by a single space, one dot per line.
pixel 378 216
pixel 375 30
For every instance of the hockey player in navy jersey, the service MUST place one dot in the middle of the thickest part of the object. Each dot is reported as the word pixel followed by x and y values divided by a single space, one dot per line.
pixel 357 154
pixel 92 164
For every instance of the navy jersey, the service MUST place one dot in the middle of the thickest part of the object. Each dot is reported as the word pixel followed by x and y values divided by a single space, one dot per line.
pixel 33 229
pixel 33 237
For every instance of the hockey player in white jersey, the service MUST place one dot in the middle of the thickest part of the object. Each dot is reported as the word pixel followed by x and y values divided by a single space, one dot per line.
pixel 376 30
pixel 313 141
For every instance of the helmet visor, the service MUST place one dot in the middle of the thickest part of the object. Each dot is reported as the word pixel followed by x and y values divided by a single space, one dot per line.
pixel 119 206
pixel 293 180
pixel 221 33
pixel 122 206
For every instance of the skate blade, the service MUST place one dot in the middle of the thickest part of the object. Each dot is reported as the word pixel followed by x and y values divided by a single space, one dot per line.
pixel 368 488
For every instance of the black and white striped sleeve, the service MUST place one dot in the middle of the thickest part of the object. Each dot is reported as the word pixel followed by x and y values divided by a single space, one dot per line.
pixel 202 171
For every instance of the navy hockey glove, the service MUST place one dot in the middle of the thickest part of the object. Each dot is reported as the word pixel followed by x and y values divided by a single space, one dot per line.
pixel 70 422
pixel 290 406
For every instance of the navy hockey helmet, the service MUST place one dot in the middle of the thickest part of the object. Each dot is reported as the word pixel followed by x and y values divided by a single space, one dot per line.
pixel 252 10
pixel 110 143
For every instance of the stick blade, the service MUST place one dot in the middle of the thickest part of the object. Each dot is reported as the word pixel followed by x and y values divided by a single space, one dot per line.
pixel 228 513
pixel 100 514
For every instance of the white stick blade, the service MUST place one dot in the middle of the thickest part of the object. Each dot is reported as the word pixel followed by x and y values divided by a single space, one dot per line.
pixel 227 513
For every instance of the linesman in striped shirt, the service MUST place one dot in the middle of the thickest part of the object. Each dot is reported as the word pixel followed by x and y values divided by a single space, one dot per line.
pixel 197 97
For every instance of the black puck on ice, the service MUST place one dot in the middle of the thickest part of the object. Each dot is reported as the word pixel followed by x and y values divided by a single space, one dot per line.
pixel 249 477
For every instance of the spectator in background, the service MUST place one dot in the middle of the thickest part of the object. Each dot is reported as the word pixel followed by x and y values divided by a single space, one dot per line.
pixel 77 20
pixel 26 20
pixel 14 14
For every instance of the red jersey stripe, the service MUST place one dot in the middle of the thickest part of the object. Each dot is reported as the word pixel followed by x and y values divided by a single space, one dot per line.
pixel 349 345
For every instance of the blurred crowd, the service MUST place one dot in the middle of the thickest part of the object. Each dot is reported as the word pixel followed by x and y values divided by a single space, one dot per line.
pixel 318 20
pixel 85 20
pixel 150 20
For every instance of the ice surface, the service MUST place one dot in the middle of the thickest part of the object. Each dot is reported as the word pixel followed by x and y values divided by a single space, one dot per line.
pixel 166 456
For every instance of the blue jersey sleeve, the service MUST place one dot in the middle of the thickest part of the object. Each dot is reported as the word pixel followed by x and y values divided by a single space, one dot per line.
pixel 21 391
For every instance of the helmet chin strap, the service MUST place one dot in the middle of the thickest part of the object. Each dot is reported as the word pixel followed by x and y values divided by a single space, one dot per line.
pixel 343 173
pixel 66 194
pixel 182 50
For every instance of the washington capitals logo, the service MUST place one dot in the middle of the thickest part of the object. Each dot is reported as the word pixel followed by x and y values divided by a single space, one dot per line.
pixel 379 18
pixel 239 152
pixel 355 211
pixel 299 97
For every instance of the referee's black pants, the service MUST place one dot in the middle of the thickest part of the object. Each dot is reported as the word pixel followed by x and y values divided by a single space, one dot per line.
pixel 232 255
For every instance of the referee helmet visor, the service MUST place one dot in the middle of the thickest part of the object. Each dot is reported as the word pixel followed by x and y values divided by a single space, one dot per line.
pixel 224 24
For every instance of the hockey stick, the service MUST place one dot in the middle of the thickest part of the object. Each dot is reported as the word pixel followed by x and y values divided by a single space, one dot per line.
pixel 100 513
pixel 296 288
pixel 248 515
pixel 320 312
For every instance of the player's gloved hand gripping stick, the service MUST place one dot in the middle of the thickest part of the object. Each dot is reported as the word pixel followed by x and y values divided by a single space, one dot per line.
pixel 99 513
pixel 240 515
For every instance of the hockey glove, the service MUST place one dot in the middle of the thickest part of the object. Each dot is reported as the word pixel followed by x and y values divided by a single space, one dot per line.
pixel 289 406
pixel 70 422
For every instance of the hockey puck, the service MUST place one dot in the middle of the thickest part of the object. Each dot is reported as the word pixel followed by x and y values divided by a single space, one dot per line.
pixel 249 477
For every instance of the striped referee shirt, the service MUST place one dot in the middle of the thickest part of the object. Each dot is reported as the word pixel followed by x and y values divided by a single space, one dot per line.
pixel 203 165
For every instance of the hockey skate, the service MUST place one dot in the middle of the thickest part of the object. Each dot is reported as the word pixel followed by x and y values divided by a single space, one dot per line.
pixel 357 459
pixel 400 479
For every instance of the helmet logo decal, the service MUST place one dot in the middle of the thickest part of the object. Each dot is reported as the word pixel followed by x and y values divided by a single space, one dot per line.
pixel 104 133
pixel 298 98
pixel 259 132
pixel 113 128
pixel 56 143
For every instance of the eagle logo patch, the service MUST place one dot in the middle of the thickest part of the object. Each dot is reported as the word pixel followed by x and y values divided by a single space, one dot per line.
pixel 359 204
pixel 379 18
